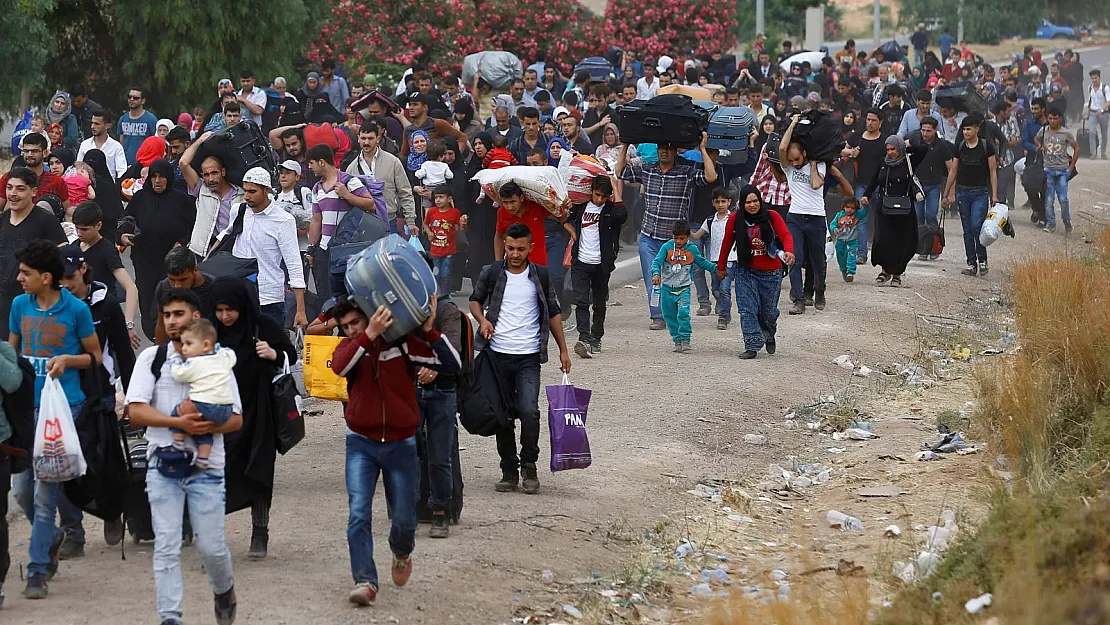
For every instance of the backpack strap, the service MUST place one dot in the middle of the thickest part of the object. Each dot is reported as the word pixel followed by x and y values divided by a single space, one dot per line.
pixel 159 360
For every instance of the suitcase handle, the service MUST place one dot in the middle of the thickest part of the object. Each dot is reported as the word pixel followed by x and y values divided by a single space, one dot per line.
pixel 652 122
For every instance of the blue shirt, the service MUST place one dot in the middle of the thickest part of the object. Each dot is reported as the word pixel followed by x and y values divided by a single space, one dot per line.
pixel 946 41
pixel 55 332
pixel 132 132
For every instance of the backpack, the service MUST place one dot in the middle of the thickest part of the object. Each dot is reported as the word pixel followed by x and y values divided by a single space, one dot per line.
pixel 466 352
pixel 19 408
pixel 159 360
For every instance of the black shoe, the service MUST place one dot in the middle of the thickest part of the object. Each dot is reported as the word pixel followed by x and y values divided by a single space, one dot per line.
pixel 55 549
pixel 819 301
pixel 36 587
pixel 1 595
pixel 508 483
pixel 71 551
pixel 113 532
pixel 809 300
pixel 582 348
pixel 531 478
pixel 748 354
pixel 225 607
pixel 798 309
pixel 440 527
pixel 770 347
pixel 260 539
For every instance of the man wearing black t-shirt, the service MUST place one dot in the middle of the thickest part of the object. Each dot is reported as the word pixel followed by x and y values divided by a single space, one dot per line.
pixel 182 272
pixel 868 148
pixel 935 169
pixel 975 189
pixel 20 223
pixel 103 259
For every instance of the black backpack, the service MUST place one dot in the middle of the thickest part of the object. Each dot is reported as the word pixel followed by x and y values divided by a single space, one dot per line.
pixel 19 408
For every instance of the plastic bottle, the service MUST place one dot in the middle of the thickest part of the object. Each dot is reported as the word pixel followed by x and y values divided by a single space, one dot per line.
pixel 548 577
pixel 843 521
pixel 655 295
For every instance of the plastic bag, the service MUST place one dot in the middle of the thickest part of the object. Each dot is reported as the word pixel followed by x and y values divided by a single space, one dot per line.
pixel 542 185
pixel 994 224
pixel 319 380
pixel 830 249
pixel 566 420
pixel 579 173
pixel 21 130
pixel 57 454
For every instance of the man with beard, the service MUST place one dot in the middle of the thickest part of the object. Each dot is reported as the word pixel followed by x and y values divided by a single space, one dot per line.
pixel 215 197
pixel 83 108
pixel 34 159
pixel 381 165
pixel 178 141
pixel 112 149
pixel 136 125
pixel 290 146
pixel 334 86
pixel 418 106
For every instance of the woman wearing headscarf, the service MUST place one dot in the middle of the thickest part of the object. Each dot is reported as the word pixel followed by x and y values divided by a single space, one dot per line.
pixel 464 117
pixel 760 235
pixel 610 147
pixel 316 103
pixel 60 112
pixel 107 193
pixel 261 348
pixel 482 222
pixel 895 228
pixel 164 218
pixel 555 148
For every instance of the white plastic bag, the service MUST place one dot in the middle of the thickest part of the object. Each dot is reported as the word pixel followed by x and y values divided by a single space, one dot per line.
pixel 830 249
pixel 994 224
pixel 57 454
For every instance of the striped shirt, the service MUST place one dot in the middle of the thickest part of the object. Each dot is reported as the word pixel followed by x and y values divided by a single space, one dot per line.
pixel 331 207
pixel 770 189
pixel 666 195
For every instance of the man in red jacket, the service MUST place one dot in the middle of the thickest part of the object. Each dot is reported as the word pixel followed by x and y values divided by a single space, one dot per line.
pixel 382 415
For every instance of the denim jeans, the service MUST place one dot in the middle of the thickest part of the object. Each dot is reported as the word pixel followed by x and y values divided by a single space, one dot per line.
pixel 520 376
pixel 397 463
pixel 205 494
pixel 591 287
pixel 676 311
pixel 701 287
pixel 437 421
pixel 927 210
pixel 274 311
pixel 217 414
pixel 722 290
pixel 973 212
pixel 1056 181
pixel 444 268
pixel 809 233
pixel 23 491
pixel 556 239
pixel 649 249
pixel 757 300
pixel 861 228
pixel 1099 126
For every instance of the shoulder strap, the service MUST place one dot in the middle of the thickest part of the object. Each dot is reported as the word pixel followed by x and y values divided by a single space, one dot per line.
pixel 237 227
pixel 159 360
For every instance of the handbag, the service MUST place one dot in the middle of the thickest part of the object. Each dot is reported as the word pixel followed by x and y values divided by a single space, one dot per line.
pixel 566 419
pixel 1034 176
pixel 482 402
pixel 897 205
pixel 319 380
pixel 286 409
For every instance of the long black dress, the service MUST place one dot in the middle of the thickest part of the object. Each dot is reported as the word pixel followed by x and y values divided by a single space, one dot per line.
pixel 251 452
pixel 107 193
pixel 895 236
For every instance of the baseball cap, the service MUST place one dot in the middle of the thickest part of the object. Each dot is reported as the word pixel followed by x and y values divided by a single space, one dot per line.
pixel 257 175
pixel 72 258
pixel 292 166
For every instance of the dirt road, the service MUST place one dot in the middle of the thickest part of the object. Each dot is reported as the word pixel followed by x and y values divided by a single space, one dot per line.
pixel 653 413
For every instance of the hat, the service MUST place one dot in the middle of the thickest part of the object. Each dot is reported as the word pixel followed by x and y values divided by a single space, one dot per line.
pixel 257 175
pixel 185 118
pixel 813 96
pixel 291 165
pixel 664 63
pixel 72 258
pixel 225 82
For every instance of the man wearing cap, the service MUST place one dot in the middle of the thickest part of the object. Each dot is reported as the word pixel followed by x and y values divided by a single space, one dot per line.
pixel 374 161
pixel 1097 110
pixel 418 106
pixel 215 196
pixel 269 236
pixel 296 195
pixel 251 98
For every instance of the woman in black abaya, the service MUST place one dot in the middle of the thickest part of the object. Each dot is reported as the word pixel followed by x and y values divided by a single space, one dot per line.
pixel 107 193
pixel 895 235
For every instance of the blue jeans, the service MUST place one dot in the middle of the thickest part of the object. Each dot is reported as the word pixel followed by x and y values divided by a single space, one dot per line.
pixel 437 421
pixel 927 210
pixel 973 205
pixel 1056 185
pixel 444 266
pixel 809 233
pixel 274 311
pixel 204 492
pixel 556 239
pixel 861 228
pixel 757 300
pixel 649 249
pixel 396 462
pixel 722 290
pixel 701 287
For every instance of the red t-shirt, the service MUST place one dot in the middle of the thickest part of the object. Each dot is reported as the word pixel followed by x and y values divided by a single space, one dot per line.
pixel 533 218
pixel 444 225
pixel 49 183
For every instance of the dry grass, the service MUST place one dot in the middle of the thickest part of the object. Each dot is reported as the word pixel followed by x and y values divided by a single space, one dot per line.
pixel 839 601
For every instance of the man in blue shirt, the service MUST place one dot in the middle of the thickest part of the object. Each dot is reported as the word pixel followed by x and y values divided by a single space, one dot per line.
pixel 54 331
pixel 136 125
pixel 946 41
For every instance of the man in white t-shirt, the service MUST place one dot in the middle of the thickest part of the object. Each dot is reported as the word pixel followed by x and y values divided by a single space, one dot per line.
pixel 251 98
pixel 516 309
pixel 714 228
pixel 806 219
pixel 152 397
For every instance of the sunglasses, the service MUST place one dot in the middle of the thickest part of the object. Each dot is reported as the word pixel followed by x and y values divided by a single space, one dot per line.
pixel 134 97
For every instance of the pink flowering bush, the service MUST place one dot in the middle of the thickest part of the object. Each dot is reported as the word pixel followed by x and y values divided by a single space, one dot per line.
pixel 561 28
pixel 677 27
pixel 403 33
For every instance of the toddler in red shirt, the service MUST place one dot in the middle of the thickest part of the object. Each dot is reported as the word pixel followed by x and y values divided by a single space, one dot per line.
pixel 442 223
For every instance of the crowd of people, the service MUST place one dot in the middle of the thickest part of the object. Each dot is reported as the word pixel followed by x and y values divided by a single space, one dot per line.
pixel 722 227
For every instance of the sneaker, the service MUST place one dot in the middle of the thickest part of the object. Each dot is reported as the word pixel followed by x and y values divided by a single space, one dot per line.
pixel 170 621
pixel 71 551
pixel 849 278
pixel 799 308
pixel 582 349
pixel 440 527
pixel 531 482
pixel 113 532
pixel 748 354
pixel 983 268
pixel 922 257
pixel 934 256
pixel 1042 223
pixel 809 300
pixel 844 274
pixel 402 570
pixel 363 594
pixel 722 324
pixel 225 607
pixel 657 324
pixel 896 281
pixel 682 347
pixel 819 301
pixel 1067 228
pixel 36 587
pixel 972 270
pixel 508 482
pixel 569 324
pixel 260 537
pixel 770 347
pixel 1050 229
pixel 595 347
pixel 705 310
pixel 862 260
pixel 55 549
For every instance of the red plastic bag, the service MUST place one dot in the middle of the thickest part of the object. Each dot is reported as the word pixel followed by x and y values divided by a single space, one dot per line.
pixel 568 256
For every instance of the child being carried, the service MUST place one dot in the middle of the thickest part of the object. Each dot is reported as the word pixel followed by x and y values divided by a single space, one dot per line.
pixel 208 372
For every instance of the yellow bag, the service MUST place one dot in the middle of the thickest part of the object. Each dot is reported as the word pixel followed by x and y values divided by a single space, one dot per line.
pixel 319 380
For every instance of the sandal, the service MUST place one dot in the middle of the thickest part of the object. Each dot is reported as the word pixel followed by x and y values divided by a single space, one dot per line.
pixel 896 281
pixel 882 278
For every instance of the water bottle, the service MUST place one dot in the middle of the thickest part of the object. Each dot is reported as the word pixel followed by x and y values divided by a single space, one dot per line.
pixel 843 521
pixel 781 255
pixel 655 295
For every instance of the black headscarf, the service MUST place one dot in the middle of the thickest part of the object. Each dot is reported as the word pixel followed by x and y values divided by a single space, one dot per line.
pixel 744 219
pixel 65 155
pixel 107 192
pixel 239 336
pixel 762 138
pixel 463 106
pixel 163 218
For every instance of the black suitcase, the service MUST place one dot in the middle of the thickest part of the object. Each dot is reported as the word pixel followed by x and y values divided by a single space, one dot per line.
pixel 454 508
pixel 239 148
pixel 671 119
pixel 964 97
pixel 1083 138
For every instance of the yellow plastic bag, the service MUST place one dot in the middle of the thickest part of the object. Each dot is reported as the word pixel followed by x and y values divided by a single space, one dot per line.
pixel 319 380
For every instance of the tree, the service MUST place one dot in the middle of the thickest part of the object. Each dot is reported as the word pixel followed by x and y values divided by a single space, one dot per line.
pixel 562 29
pixel 677 27
pixel 402 33
pixel 24 43
pixel 985 21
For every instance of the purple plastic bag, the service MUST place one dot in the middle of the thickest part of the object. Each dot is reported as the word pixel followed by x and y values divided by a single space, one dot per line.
pixel 566 419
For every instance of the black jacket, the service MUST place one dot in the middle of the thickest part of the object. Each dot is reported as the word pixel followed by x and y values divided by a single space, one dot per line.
pixel 115 344
pixel 613 216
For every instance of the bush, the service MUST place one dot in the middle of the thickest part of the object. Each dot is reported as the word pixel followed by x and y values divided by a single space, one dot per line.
pixel 678 27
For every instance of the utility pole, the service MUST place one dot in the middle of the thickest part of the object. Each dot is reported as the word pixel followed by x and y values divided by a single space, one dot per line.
pixel 758 17
pixel 875 31
pixel 960 24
